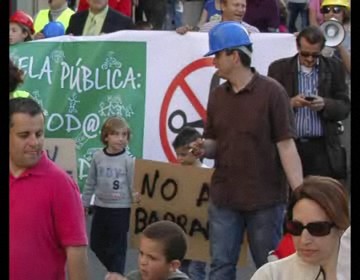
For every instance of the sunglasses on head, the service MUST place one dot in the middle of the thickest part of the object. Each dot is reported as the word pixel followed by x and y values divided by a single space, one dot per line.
pixel 307 54
pixel 315 228
pixel 334 9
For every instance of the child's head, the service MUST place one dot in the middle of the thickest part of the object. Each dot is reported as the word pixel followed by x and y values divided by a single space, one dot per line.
pixel 162 248
pixel 115 134
pixel 181 143
pixel 56 4
pixel 21 28
pixel 15 76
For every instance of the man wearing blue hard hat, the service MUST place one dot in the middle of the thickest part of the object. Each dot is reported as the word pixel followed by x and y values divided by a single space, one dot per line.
pixel 249 133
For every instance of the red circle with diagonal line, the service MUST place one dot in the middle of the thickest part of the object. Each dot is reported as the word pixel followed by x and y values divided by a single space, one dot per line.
pixel 179 81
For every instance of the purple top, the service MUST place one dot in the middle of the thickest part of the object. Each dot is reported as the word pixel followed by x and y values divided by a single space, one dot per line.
pixel 263 14
pixel 315 5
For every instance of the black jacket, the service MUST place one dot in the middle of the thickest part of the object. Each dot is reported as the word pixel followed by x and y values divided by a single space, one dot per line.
pixel 114 21
pixel 333 88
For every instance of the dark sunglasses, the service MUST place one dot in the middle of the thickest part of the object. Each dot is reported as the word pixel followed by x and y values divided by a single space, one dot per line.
pixel 334 9
pixel 315 228
pixel 307 54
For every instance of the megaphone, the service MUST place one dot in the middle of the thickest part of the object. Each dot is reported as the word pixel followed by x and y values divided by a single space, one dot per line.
pixel 333 31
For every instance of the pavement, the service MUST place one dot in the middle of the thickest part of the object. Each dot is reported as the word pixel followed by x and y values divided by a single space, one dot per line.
pixel 97 271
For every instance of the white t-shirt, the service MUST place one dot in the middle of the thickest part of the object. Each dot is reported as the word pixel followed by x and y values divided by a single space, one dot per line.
pixel 344 257
pixel 203 165
pixel 291 267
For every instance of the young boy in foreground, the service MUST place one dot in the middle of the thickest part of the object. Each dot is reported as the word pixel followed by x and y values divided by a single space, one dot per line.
pixel 161 250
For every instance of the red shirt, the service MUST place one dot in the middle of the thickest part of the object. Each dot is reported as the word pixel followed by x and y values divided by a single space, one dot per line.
pixel 46 216
pixel 286 247
pixel 122 6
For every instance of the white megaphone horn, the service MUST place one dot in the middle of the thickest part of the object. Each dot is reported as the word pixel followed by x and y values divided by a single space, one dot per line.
pixel 333 31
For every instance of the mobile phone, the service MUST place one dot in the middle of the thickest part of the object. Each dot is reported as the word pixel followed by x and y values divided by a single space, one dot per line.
pixel 310 98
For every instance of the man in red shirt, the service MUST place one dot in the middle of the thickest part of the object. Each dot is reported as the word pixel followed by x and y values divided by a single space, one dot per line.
pixel 47 222
pixel 122 6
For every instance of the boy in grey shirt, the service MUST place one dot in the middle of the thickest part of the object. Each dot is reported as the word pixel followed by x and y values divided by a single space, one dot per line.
pixel 110 178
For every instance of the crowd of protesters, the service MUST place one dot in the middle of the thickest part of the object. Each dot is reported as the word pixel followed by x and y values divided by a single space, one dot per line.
pixel 305 136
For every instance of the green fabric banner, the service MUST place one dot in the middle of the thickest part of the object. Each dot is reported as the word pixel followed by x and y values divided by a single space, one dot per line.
pixel 81 84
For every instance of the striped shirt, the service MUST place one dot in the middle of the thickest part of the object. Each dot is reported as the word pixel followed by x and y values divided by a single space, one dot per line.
pixel 210 24
pixel 307 121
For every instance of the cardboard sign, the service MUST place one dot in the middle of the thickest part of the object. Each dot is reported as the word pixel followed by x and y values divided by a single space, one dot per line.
pixel 180 194
pixel 62 152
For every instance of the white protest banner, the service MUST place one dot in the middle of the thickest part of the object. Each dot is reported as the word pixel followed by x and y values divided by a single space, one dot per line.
pixel 158 80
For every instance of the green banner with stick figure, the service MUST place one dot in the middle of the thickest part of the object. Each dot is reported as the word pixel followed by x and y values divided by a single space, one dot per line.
pixel 81 84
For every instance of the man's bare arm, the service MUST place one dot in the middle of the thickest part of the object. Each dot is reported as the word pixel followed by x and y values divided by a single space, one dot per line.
pixel 291 162
pixel 77 262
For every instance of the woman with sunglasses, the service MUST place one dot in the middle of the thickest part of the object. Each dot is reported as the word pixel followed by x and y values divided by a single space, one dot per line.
pixel 340 11
pixel 318 215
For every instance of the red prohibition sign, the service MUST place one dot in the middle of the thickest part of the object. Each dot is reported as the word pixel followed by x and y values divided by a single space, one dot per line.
pixel 179 81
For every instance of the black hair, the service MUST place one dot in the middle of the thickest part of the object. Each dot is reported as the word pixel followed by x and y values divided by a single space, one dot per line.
pixel 186 136
pixel 24 105
pixel 245 59
pixel 15 76
pixel 313 35
pixel 171 236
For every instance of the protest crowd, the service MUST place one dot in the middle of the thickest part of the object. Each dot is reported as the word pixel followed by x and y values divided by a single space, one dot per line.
pixel 279 145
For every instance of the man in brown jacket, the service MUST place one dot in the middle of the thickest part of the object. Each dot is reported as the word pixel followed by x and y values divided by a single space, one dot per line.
pixel 319 98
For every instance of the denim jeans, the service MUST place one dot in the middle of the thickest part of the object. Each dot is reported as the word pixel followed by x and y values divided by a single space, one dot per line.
pixel 174 12
pixel 227 227
pixel 197 270
pixel 294 10
pixel 108 237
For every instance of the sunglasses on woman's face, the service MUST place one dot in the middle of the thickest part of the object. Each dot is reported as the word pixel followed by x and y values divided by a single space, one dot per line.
pixel 334 9
pixel 315 228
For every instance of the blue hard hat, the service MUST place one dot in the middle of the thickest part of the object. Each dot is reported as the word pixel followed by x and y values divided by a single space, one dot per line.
pixel 227 35
pixel 53 29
